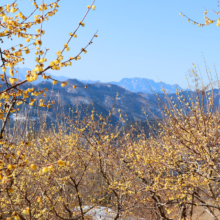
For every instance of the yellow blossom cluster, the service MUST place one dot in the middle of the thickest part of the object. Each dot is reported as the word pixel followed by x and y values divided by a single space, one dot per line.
pixel 208 20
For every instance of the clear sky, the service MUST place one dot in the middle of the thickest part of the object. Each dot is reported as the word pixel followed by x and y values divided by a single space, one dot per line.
pixel 137 38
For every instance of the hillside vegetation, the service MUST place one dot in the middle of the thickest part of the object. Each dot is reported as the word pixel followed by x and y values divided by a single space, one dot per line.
pixel 87 163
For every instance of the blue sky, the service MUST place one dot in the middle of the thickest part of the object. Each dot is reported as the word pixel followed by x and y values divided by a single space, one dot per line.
pixel 137 38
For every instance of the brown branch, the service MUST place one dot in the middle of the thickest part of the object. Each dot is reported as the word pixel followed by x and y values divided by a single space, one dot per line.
pixel 78 197
pixel 11 106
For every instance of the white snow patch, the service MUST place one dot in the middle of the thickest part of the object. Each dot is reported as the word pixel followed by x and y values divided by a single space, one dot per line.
pixel 100 213
pixel 84 100
pixel 22 118
pixel 71 90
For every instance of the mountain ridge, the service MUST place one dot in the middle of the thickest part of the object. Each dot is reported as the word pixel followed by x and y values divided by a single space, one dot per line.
pixel 104 98
pixel 143 85
pixel 135 84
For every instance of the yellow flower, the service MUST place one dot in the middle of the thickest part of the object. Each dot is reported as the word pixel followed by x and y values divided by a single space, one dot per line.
pixel 19 103
pixel 58 53
pixel 75 35
pixel 61 162
pixel 9 166
pixel 10 190
pixel 45 170
pixel 11 72
pixel 93 7
pixel 63 84
pixel 56 61
pixel 54 82
pixel 50 167
pixel 5 18
pixel 3 69
pixel 41 60
pixel 38 199
pixel 52 63
pixel 38 42
pixel 13 80
pixel 26 211
pixel 33 167
pixel 19 153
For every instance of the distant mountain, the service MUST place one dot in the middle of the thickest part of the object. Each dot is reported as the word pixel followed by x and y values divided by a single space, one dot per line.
pixel 90 81
pixel 100 96
pixel 142 85
pixel 132 84
pixel 145 85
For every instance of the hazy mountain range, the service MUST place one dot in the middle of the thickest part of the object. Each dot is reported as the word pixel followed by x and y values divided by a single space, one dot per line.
pixel 132 84
pixel 101 96
pixel 142 85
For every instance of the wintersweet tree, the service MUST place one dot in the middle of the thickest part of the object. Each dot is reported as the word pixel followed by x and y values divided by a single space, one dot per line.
pixel 17 24
pixel 27 191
